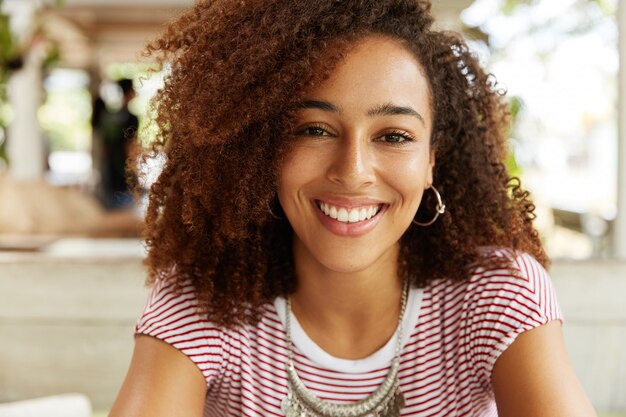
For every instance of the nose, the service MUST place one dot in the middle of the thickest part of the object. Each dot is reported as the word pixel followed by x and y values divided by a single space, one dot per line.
pixel 352 163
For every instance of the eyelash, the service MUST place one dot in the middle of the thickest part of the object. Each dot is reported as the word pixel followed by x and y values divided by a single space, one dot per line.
pixel 406 136
pixel 316 126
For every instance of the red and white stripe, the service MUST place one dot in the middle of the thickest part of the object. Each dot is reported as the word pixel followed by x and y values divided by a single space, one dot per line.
pixel 446 363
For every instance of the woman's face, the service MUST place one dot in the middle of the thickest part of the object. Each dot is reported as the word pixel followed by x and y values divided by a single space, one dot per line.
pixel 361 158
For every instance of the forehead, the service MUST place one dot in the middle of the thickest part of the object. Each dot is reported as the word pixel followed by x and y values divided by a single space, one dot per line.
pixel 376 70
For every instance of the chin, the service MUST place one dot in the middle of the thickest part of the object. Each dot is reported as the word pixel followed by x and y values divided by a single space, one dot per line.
pixel 347 267
pixel 349 261
pixel 345 256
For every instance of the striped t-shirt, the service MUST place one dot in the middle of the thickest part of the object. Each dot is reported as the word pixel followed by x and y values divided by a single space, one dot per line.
pixel 453 334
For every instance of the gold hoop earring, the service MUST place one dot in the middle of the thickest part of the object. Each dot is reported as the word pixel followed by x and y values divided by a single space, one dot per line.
pixel 440 209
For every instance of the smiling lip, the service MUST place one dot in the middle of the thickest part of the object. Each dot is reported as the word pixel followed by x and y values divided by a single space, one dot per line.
pixel 355 228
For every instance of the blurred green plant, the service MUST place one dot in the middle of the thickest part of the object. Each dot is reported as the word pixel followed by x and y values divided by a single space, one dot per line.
pixel 515 107
pixel 6 56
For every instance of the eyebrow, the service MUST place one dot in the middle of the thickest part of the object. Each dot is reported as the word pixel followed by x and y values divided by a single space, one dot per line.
pixel 387 109
pixel 320 105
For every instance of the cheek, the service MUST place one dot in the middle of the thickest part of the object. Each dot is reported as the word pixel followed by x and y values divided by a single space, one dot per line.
pixel 304 161
pixel 284 183
pixel 410 174
pixel 294 172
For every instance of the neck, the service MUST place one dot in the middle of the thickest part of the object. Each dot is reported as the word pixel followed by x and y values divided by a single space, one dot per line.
pixel 349 314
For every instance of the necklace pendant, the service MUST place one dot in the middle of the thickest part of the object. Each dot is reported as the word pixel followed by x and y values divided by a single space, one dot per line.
pixel 394 406
pixel 291 408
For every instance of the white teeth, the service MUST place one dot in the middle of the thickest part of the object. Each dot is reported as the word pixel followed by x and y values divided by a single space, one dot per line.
pixel 362 214
pixel 349 216
pixel 342 215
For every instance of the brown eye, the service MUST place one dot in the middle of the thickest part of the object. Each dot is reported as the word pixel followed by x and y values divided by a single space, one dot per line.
pixel 395 138
pixel 399 137
pixel 315 131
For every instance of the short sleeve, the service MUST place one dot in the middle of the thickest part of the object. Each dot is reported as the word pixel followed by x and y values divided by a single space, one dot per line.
pixel 173 317
pixel 502 304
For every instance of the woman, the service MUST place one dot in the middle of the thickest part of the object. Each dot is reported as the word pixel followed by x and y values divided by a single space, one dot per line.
pixel 334 232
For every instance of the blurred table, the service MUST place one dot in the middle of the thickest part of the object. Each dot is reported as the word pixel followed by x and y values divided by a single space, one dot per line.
pixel 41 248
pixel 67 314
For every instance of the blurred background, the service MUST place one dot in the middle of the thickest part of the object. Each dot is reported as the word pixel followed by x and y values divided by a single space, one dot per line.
pixel 74 90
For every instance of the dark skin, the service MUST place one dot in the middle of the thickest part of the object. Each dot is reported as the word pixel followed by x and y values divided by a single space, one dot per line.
pixel 148 389
pixel 533 377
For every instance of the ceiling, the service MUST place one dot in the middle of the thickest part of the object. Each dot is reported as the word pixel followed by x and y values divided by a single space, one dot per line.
pixel 95 33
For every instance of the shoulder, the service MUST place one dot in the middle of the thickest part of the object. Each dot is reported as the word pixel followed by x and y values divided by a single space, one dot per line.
pixel 518 277
pixel 519 290
pixel 504 275
pixel 173 314
pixel 147 388
pixel 500 303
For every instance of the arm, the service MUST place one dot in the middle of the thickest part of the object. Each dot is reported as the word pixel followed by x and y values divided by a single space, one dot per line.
pixel 534 377
pixel 161 382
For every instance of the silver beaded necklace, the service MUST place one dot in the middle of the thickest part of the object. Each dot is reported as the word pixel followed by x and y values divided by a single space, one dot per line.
pixel 386 401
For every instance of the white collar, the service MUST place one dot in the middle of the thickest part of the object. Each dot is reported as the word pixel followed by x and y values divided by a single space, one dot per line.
pixel 377 360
